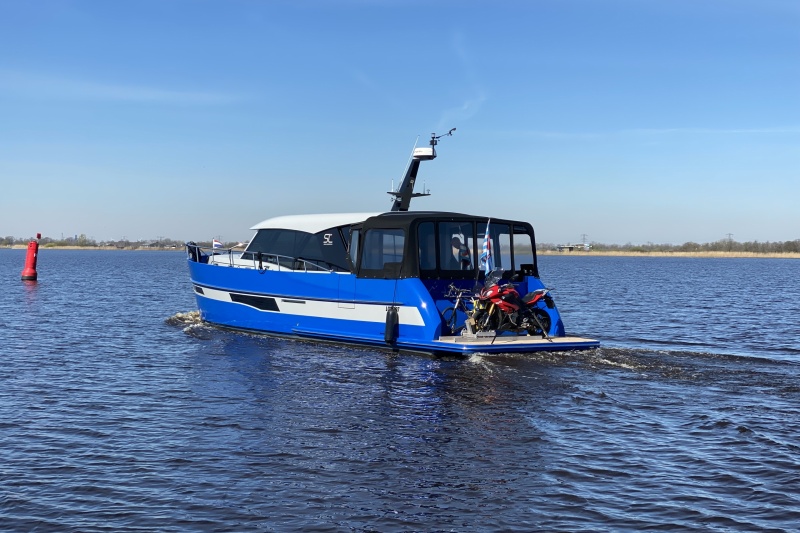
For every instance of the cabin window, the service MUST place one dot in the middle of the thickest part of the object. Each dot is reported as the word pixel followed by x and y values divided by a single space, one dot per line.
pixel 278 241
pixel 500 244
pixel 279 246
pixel 427 246
pixel 320 251
pixel 354 236
pixel 503 244
pixel 523 247
pixel 382 249
pixel 456 246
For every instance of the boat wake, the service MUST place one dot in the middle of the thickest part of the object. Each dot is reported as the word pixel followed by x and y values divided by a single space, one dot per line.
pixel 191 323
pixel 482 361
pixel 681 365
pixel 184 319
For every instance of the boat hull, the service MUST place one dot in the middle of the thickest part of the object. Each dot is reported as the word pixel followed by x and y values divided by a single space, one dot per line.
pixel 338 307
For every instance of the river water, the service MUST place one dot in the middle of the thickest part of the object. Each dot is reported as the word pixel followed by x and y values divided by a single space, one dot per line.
pixel 119 412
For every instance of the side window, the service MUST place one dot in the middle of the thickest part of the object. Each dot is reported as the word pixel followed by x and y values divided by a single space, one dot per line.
pixel 354 240
pixel 281 245
pixel 382 246
pixel 503 246
pixel 427 246
pixel 523 247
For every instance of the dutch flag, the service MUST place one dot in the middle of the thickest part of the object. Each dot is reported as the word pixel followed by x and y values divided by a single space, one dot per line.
pixel 486 258
pixel 216 244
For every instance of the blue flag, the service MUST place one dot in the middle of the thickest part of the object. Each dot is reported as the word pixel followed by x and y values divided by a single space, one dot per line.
pixel 487 260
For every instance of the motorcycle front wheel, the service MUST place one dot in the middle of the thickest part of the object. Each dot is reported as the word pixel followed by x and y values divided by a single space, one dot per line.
pixel 488 321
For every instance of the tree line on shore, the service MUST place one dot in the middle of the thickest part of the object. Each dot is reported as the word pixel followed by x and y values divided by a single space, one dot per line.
pixel 82 241
pixel 723 245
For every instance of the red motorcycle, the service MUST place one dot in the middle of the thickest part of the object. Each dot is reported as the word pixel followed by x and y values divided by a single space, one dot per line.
pixel 499 308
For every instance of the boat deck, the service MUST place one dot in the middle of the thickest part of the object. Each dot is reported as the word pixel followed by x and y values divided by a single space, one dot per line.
pixel 512 343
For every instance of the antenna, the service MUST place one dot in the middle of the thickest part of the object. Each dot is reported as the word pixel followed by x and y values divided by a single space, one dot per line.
pixel 435 138
pixel 405 192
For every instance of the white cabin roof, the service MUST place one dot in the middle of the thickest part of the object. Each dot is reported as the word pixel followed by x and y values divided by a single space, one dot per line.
pixel 313 223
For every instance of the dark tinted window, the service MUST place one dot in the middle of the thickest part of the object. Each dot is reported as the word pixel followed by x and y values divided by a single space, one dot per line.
pixel 324 248
pixel 427 246
pixel 278 241
pixel 456 246
pixel 381 247
pixel 523 247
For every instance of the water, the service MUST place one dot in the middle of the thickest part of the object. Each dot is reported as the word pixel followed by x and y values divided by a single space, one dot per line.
pixel 119 413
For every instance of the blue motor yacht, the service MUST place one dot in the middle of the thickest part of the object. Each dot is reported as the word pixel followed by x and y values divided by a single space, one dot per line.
pixel 400 280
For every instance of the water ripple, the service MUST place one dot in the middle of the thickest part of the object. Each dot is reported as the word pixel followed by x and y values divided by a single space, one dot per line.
pixel 120 411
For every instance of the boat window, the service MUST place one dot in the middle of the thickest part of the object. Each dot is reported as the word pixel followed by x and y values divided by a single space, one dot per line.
pixel 281 244
pixel 456 246
pixel 382 249
pixel 503 248
pixel 499 244
pixel 354 237
pixel 427 246
pixel 523 247
pixel 277 241
pixel 501 237
pixel 286 247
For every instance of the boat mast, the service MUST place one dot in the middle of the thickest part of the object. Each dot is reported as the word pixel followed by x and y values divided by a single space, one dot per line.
pixel 404 193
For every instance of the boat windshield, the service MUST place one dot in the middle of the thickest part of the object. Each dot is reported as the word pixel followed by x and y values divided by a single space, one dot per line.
pixel 326 248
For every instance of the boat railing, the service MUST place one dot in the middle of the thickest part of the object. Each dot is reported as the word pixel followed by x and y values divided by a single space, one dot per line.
pixel 256 260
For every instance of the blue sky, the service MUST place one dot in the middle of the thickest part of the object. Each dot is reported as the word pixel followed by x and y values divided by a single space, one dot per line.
pixel 626 120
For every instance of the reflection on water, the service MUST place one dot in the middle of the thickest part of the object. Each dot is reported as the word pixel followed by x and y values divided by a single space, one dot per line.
pixel 120 411
pixel 735 306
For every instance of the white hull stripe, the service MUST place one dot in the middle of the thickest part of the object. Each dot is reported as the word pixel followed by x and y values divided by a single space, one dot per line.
pixel 361 312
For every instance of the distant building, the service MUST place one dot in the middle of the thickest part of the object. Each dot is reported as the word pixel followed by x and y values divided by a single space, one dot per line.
pixel 571 247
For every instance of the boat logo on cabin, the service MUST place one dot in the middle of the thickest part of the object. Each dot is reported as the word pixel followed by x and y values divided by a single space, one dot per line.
pixel 327 239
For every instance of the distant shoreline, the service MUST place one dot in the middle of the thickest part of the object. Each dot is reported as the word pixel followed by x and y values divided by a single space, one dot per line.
pixel 609 253
pixel 731 255
pixel 108 248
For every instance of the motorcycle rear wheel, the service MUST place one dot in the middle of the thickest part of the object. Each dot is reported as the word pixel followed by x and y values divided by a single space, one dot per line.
pixel 544 319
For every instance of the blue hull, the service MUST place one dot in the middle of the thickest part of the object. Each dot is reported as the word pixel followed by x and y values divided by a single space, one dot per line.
pixel 338 307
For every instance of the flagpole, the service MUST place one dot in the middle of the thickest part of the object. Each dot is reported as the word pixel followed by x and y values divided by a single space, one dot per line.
pixel 486 253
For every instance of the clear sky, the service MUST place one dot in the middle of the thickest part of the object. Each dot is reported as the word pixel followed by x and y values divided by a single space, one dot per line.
pixel 626 120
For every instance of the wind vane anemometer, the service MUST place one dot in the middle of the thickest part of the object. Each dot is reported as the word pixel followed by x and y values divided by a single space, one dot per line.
pixel 404 193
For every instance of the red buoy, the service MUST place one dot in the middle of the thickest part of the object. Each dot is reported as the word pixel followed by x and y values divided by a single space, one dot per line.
pixel 29 272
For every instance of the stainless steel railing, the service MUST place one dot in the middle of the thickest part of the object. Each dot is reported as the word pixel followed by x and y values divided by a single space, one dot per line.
pixel 255 260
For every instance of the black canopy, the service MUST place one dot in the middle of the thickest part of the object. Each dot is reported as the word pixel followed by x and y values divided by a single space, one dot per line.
pixel 409 244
